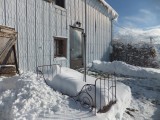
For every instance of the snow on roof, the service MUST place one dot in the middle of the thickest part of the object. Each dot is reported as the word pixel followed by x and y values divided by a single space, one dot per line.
pixel 114 14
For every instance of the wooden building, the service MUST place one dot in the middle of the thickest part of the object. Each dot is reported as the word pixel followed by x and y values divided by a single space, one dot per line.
pixel 50 31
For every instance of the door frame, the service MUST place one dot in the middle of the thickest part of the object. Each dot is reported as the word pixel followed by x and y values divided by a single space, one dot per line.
pixel 81 29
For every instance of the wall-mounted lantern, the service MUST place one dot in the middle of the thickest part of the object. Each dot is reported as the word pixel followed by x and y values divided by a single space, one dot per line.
pixel 77 24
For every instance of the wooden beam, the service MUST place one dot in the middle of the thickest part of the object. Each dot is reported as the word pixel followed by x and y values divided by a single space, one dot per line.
pixel 7 47
pixel 15 58
pixel 8 35
pixel 7 28
pixel 4 62
pixel 6 51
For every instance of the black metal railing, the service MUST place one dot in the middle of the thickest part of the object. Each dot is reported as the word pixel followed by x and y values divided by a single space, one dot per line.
pixel 107 88
pixel 101 95
pixel 85 98
pixel 48 71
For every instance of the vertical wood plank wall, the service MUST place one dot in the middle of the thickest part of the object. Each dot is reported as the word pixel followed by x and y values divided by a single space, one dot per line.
pixel 37 21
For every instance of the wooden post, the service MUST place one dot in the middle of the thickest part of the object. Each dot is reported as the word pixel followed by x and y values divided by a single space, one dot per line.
pixel 15 58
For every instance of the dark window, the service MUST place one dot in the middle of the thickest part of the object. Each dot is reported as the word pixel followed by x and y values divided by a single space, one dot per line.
pixel 60 3
pixel 60 47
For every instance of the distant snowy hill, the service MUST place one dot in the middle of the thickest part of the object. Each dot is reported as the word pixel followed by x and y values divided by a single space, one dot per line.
pixel 132 35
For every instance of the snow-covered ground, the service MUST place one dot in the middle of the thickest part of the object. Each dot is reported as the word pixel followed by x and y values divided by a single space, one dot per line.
pixel 121 68
pixel 70 82
pixel 27 97
pixel 145 103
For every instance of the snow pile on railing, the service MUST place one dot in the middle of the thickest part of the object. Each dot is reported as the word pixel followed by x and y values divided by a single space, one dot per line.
pixel 70 82
pixel 122 68
pixel 29 98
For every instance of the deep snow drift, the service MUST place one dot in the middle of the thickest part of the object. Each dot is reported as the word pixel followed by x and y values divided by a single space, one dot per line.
pixel 145 103
pixel 29 98
pixel 122 68
pixel 70 82
pixel 25 97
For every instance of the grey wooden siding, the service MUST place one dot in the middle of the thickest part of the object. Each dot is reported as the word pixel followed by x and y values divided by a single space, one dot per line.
pixel 37 21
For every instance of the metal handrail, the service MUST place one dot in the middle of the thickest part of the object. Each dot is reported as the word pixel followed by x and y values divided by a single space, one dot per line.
pixel 41 71
pixel 112 87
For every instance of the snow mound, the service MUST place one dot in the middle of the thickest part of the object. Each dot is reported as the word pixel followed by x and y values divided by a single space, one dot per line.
pixel 122 68
pixel 70 82
pixel 25 97
pixel 66 82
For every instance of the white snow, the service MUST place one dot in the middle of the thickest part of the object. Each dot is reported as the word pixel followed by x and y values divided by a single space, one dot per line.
pixel 109 8
pixel 133 35
pixel 122 68
pixel 28 97
pixel 145 99
pixel 145 103
pixel 25 97
pixel 70 82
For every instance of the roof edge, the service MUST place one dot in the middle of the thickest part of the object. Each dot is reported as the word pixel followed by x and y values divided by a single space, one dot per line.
pixel 114 14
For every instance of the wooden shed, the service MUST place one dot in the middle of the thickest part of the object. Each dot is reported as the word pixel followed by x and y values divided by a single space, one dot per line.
pixel 8 58
pixel 51 31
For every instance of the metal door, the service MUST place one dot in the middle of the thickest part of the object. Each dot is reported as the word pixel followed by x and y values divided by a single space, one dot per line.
pixel 76 48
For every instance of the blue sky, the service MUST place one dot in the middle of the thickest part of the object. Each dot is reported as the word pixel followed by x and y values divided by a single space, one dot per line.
pixel 137 13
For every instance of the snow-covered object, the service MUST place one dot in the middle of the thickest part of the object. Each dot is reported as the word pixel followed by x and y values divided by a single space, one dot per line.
pixel 50 71
pixel 27 98
pixel 122 68
pixel 70 82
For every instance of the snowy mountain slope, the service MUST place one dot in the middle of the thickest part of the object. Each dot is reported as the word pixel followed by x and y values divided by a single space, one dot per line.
pixel 132 35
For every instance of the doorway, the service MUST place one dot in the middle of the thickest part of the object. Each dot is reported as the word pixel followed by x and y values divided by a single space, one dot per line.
pixel 76 47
